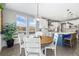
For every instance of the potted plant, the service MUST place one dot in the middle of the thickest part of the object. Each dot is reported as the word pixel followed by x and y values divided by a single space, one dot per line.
pixel 8 32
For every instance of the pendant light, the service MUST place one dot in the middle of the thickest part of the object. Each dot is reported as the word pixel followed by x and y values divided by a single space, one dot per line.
pixel 37 16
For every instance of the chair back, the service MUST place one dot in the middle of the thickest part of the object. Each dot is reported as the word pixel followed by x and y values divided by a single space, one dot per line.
pixel 67 36
pixel 55 39
pixel 33 46
pixel 21 38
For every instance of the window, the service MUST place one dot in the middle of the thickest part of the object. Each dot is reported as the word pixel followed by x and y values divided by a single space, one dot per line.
pixel 31 25
pixel 26 24
pixel 21 23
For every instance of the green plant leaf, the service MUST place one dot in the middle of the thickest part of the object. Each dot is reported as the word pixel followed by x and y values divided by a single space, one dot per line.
pixel 1 6
pixel 9 30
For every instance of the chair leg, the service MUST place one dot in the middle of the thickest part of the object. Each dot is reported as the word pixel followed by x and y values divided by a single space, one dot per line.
pixel 55 52
pixel 26 53
pixel 45 51
pixel 20 51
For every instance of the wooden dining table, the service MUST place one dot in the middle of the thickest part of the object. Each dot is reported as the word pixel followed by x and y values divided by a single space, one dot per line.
pixel 46 39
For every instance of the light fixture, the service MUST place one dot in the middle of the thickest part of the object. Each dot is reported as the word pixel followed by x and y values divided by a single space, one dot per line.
pixel 37 19
pixel 37 15
pixel 69 14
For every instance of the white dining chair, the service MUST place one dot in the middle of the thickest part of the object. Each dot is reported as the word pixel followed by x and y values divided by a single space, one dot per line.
pixel 32 46
pixel 53 45
pixel 21 41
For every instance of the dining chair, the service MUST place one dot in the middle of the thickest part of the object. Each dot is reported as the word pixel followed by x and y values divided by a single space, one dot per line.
pixel 32 46
pixel 70 39
pixel 21 41
pixel 67 40
pixel 53 45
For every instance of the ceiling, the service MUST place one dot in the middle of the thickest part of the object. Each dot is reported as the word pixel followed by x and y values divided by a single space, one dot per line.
pixel 53 11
